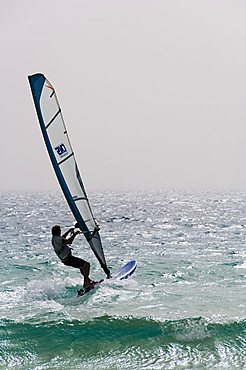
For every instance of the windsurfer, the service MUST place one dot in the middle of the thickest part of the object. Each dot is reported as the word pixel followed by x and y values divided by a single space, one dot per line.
pixel 63 250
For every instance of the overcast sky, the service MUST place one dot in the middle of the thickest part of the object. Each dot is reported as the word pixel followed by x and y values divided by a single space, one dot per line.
pixel 153 92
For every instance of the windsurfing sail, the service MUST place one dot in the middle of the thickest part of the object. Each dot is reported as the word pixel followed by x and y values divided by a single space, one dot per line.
pixel 63 160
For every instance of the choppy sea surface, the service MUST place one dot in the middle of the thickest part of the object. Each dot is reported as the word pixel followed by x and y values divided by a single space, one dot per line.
pixel 184 308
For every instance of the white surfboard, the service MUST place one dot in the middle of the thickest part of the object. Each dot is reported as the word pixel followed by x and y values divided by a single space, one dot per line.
pixel 123 273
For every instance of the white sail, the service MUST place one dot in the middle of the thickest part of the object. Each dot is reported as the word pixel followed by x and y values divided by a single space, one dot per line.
pixel 63 161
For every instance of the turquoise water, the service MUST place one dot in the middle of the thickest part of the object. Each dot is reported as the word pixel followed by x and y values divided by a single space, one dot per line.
pixel 184 308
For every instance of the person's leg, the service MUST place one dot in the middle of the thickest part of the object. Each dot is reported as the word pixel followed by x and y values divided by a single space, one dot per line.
pixel 85 271
pixel 84 267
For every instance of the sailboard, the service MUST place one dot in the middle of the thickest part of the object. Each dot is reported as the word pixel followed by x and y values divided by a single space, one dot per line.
pixel 123 273
pixel 64 163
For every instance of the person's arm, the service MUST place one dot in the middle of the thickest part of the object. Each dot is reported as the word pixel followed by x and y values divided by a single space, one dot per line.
pixel 71 238
pixel 67 232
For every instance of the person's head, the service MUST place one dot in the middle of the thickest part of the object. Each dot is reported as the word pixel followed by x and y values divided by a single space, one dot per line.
pixel 56 230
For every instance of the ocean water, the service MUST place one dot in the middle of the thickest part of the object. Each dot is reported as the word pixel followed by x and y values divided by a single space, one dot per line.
pixel 184 308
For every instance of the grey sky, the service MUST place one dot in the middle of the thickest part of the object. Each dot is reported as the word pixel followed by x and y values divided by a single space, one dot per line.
pixel 152 92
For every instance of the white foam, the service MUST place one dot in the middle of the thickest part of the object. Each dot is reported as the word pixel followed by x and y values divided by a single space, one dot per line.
pixel 242 266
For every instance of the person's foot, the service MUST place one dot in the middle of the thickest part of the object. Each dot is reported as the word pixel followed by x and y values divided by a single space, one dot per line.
pixel 83 291
pixel 92 282
pixel 89 286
